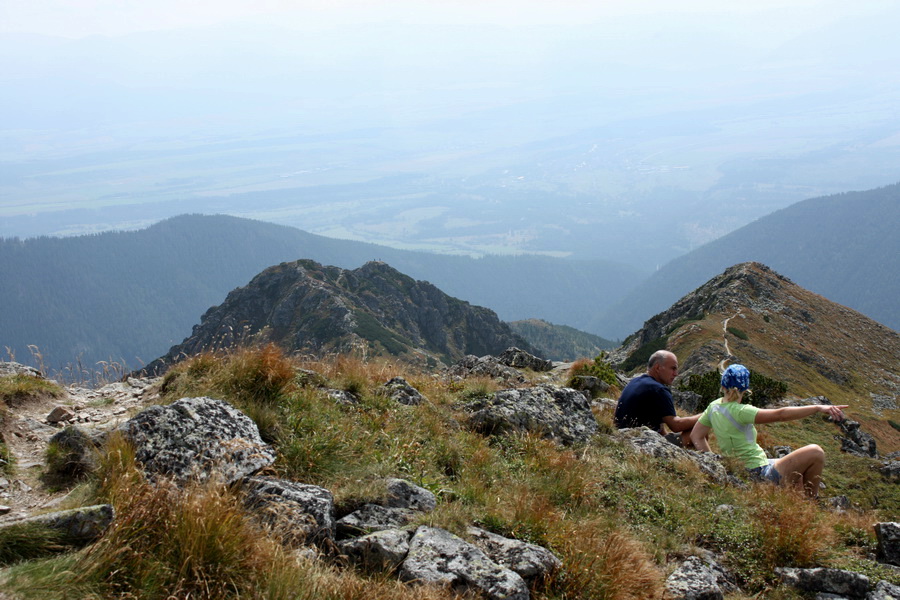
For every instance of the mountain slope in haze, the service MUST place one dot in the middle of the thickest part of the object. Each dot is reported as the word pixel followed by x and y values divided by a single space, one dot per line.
pixel 844 247
pixel 561 342
pixel 72 298
pixel 752 315
pixel 304 307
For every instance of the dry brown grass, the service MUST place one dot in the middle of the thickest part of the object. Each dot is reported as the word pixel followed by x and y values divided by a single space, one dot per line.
pixel 605 563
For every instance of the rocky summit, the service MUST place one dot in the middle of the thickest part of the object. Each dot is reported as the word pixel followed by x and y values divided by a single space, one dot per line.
pixel 752 315
pixel 305 307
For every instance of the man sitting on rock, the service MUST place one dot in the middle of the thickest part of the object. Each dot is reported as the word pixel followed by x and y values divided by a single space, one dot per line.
pixel 646 400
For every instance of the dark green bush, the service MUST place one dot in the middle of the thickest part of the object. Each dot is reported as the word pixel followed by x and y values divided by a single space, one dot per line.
pixel 765 390
pixel 738 333
pixel 640 356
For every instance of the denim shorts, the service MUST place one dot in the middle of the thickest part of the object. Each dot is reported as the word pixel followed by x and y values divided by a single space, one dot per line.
pixel 766 473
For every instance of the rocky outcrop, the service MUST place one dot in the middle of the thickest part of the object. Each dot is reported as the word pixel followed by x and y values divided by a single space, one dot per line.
pixel 530 561
pixel 303 306
pixel 485 366
pixel 693 580
pixel 439 557
pixel 194 438
pixel 829 581
pixel 888 535
pixel 562 414
pixel 520 359
pixel 76 527
pixel 647 441
pixel 399 390
pixel 299 513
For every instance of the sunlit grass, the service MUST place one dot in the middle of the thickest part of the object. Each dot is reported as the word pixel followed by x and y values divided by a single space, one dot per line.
pixel 614 517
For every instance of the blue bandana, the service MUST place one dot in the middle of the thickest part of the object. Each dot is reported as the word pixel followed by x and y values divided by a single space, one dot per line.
pixel 736 376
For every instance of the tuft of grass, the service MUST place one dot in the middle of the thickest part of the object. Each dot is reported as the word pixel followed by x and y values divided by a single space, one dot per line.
pixel 17 389
pixel 605 563
pixel 27 541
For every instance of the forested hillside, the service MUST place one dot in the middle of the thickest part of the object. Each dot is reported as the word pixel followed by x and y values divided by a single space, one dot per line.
pixel 844 247
pixel 128 297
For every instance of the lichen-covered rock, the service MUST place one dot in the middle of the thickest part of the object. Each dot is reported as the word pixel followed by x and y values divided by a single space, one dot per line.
pixel 78 526
pixel 196 437
pixel 485 366
pixel 530 561
pixel 373 517
pixel 299 513
pixel 562 414
pixel 649 442
pixel 378 551
pixel 884 590
pixel 342 397
pixel 399 390
pixel 829 581
pixel 888 535
pixel 693 580
pixel 439 557
pixel 519 359
pixel 403 494
pixel 11 368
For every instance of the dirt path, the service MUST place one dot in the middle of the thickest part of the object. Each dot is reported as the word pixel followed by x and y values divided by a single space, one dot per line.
pixel 28 431
pixel 725 340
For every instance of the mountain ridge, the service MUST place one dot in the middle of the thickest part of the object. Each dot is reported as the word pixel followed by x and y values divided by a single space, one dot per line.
pixel 846 250
pixel 305 307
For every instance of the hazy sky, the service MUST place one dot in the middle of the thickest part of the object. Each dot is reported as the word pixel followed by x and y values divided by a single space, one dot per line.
pixel 77 18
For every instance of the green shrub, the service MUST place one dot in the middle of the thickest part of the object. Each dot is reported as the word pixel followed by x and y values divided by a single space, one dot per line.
pixel 641 356
pixel 599 368
pixel 765 390
pixel 738 333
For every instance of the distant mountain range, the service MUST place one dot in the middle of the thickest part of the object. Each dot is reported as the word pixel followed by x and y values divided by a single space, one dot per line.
pixel 127 297
pixel 845 247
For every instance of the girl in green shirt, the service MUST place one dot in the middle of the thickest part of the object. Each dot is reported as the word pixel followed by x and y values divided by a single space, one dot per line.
pixel 733 423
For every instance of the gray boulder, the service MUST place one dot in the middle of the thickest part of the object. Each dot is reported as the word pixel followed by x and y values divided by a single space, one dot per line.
pixel 299 513
pixel 342 397
pixel 485 366
pixel 891 469
pixel 828 581
pixel 519 359
pixel 647 441
pixel 530 561
pixel 590 385
pixel 378 551
pixel 196 437
pixel 693 580
pixel 11 368
pixel 439 557
pixel 857 441
pixel 373 517
pixel 562 414
pixel 888 535
pixel 399 390
pixel 78 526
pixel 884 591
pixel 403 494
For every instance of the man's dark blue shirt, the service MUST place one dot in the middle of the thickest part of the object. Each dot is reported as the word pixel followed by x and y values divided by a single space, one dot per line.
pixel 644 401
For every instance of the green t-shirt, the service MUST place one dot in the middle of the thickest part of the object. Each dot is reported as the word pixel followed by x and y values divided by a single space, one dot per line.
pixel 732 422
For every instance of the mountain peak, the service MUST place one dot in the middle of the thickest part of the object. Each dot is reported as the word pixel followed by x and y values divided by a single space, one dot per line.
pixel 304 306
pixel 753 315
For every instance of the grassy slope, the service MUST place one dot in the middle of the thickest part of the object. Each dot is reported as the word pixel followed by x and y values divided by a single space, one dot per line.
pixel 615 518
